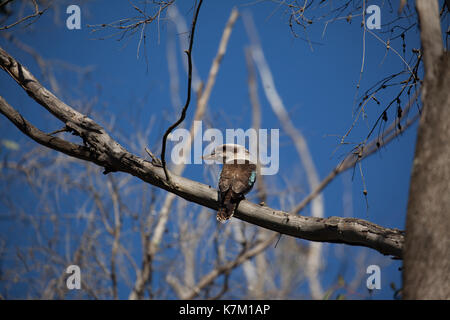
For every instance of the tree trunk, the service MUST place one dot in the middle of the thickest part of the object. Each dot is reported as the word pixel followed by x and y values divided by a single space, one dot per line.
pixel 427 244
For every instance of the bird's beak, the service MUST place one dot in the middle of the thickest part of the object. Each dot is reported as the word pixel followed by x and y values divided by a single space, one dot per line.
pixel 208 157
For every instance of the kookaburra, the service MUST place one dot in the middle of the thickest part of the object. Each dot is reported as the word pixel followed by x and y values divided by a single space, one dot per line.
pixel 236 179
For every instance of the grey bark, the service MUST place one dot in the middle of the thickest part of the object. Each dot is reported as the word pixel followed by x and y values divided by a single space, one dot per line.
pixel 427 244
pixel 102 149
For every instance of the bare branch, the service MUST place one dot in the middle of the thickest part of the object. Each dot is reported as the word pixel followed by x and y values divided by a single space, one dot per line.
pixel 220 54
pixel 227 267
pixel 37 13
pixel 188 98
pixel 362 153
pixel 154 242
pixel 300 144
pixel 111 154
pixel 256 120
pixel 430 36
pixel 47 140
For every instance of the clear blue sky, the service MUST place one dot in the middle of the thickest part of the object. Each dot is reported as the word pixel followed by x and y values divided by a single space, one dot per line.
pixel 317 88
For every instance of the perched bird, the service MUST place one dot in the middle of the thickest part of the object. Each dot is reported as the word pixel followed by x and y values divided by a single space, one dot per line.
pixel 236 179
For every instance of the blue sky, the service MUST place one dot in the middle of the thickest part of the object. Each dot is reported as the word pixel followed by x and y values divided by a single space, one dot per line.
pixel 317 87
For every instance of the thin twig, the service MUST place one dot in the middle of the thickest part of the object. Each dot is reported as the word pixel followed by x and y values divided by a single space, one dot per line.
pixel 353 159
pixel 37 13
pixel 188 98
pixel 65 129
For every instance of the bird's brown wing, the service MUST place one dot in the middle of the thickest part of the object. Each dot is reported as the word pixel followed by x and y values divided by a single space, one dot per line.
pixel 244 178
pixel 226 177
pixel 235 181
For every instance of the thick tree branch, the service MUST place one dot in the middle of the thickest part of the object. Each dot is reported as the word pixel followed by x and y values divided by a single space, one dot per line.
pixel 427 242
pixel 40 137
pixel 108 153
pixel 430 36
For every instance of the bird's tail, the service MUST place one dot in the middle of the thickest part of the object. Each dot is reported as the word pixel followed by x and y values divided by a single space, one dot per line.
pixel 226 211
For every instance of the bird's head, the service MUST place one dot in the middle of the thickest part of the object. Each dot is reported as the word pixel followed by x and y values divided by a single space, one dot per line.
pixel 228 153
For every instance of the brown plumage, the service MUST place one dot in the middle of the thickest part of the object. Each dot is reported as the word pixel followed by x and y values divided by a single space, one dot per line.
pixel 235 181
